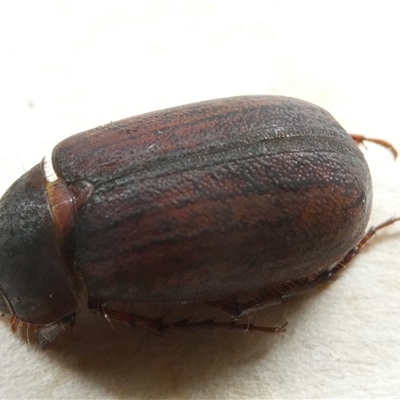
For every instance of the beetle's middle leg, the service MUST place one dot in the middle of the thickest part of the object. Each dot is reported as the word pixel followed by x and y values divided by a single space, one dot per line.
pixel 160 326
pixel 156 325
pixel 280 293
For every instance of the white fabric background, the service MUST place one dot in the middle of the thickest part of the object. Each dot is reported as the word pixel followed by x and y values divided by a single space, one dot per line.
pixel 69 66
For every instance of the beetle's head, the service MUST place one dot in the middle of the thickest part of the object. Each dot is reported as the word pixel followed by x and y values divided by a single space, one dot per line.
pixel 36 283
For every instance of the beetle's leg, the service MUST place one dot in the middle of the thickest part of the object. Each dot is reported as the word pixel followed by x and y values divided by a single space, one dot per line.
pixel 48 334
pixel 280 293
pixel 44 334
pixel 267 297
pixel 156 325
pixel 211 323
pixel 333 272
pixel 360 139
pixel 159 326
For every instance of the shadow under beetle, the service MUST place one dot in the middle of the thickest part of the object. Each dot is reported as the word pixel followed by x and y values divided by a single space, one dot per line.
pixel 203 202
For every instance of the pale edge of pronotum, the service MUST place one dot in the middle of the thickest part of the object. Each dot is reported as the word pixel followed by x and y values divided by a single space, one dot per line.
pixel 49 172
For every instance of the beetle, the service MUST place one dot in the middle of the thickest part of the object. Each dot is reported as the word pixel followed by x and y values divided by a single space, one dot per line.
pixel 202 202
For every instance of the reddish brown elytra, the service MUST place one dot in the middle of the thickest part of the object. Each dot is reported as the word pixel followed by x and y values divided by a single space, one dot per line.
pixel 198 203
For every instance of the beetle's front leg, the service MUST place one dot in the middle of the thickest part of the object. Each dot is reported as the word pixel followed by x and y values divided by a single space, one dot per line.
pixel 279 293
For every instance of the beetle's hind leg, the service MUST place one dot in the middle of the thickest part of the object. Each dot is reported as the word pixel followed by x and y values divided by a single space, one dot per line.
pixel 280 293
pixel 360 139
pixel 333 272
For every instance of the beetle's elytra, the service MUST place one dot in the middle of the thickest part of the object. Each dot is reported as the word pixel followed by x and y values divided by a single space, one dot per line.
pixel 202 202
